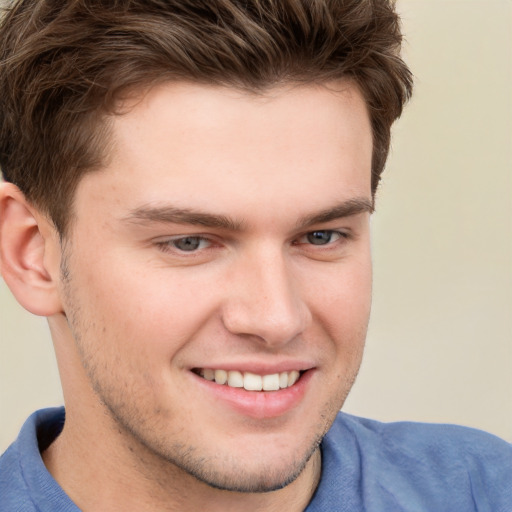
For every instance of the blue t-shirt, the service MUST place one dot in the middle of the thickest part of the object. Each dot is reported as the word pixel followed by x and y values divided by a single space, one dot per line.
pixel 367 466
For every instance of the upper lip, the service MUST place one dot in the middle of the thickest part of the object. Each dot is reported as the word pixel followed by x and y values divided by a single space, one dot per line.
pixel 258 368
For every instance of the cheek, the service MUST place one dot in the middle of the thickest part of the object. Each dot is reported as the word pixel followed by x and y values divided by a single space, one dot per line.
pixel 357 295
pixel 342 310
pixel 342 295
pixel 150 310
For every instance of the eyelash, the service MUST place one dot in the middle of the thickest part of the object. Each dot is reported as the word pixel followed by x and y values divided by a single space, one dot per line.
pixel 342 235
pixel 167 245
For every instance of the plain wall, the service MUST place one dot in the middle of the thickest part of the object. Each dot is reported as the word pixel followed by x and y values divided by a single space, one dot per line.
pixel 440 341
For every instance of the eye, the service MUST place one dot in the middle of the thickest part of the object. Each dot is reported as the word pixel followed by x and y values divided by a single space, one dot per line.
pixel 322 237
pixel 185 243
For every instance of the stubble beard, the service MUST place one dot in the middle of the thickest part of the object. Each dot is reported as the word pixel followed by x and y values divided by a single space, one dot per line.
pixel 161 463
pixel 164 463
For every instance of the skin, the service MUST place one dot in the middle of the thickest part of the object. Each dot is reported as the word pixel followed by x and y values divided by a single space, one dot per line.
pixel 249 178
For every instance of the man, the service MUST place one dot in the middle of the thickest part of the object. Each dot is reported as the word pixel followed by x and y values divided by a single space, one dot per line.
pixel 187 199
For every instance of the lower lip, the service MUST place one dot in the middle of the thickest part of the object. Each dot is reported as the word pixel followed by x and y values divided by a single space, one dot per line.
pixel 259 404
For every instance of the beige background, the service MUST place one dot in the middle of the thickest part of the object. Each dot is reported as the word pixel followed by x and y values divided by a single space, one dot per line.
pixel 440 342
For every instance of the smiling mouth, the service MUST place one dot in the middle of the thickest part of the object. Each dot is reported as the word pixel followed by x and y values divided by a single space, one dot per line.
pixel 250 381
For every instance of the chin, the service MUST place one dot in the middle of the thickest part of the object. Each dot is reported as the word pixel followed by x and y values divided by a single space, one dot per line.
pixel 243 479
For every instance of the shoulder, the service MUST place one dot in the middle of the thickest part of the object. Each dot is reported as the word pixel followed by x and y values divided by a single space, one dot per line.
pixel 438 441
pixel 417 466
pixel 444 448
pixel 13 491
pixel 25 484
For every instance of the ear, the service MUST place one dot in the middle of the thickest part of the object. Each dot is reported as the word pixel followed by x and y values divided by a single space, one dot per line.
pixel 29 253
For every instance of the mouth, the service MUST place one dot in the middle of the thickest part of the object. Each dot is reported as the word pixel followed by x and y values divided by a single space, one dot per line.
pixel 250 381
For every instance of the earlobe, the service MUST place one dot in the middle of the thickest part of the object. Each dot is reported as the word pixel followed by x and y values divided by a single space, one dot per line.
pixel 26 241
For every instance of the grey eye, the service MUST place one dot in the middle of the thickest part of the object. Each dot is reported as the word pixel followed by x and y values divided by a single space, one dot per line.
pixel 188 243
pixel 320 237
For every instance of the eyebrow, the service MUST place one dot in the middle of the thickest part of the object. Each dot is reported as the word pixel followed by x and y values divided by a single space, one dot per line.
pixel 174 215
pixel 347 208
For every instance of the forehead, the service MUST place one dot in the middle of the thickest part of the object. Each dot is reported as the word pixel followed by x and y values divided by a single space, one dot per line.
pixel 219 148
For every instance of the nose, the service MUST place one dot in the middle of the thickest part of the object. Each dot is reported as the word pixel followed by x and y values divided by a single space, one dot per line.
pixel 264 301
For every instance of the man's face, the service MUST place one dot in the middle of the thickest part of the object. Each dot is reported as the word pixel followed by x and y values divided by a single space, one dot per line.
pixel 228 235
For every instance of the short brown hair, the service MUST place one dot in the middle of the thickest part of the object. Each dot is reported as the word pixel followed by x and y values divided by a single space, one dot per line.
pixel 65 63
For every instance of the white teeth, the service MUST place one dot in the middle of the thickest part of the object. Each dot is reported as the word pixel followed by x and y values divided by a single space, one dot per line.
pixel 251 381
pixel 271 382
pixel 221 376
pixel 209 374
pixel 293 377
pixel 235 379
